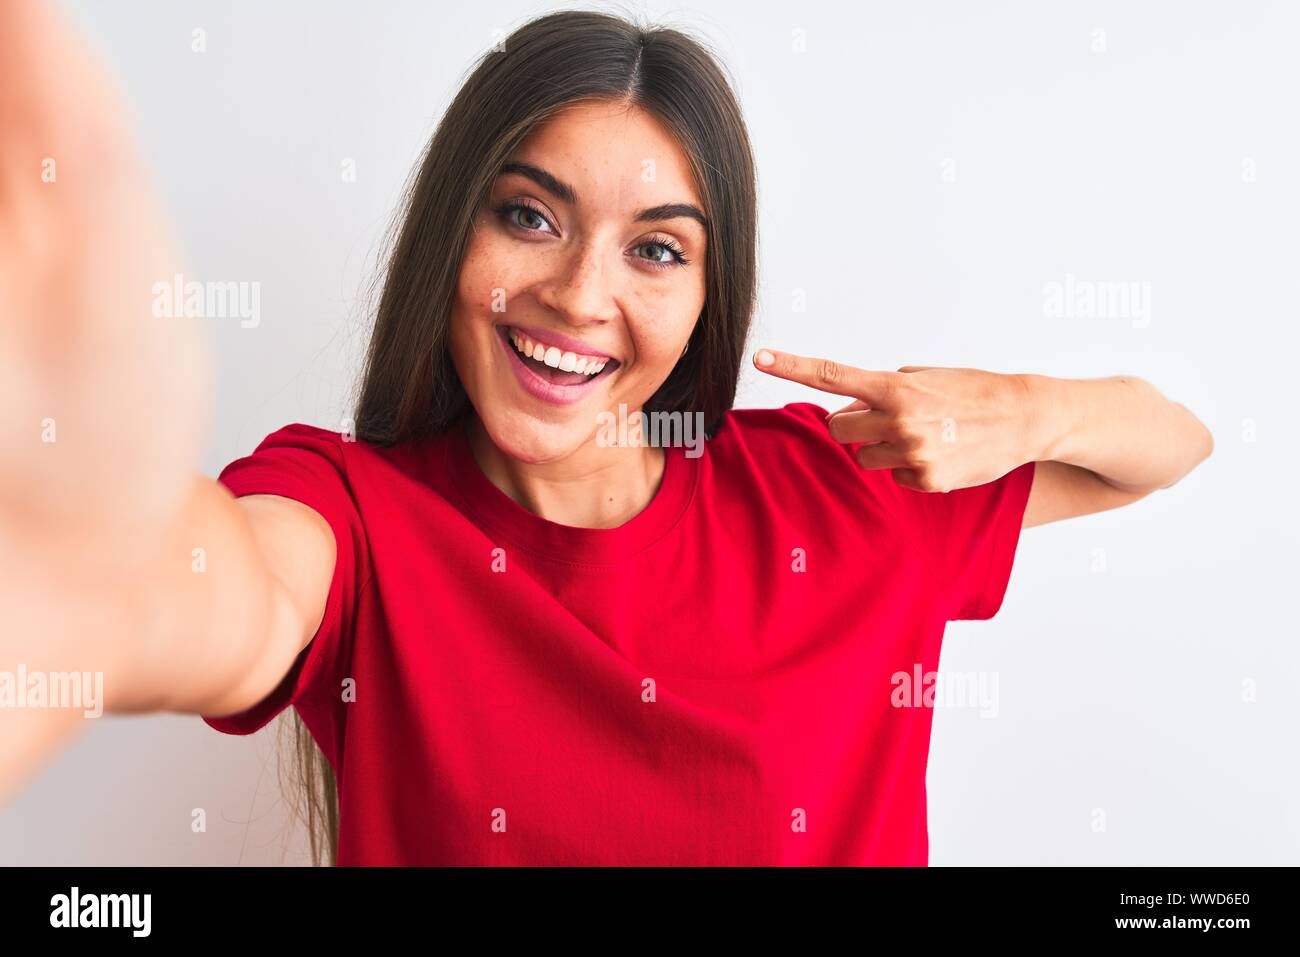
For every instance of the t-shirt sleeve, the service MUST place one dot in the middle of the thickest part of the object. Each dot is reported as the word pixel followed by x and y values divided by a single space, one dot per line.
pixel 972 533
pixel 306 464
pixel 968 535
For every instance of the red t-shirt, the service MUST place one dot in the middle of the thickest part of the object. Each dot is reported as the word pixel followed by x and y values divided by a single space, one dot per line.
pixel 711 683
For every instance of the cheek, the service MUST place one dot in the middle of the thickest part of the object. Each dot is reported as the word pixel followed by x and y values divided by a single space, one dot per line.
pixel 472 314
pixel 489 275
pixel 660 324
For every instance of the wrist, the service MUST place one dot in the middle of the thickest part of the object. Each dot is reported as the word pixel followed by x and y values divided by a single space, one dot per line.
pixel 1047 416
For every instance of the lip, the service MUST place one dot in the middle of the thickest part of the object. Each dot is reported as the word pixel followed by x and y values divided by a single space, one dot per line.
pixel 538 387
pixel 564 343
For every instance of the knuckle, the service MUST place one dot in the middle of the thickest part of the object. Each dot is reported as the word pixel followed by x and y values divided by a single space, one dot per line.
pixel 916 458
pixel 829 372
pixel 927 481
pixel 910 432
pixel 910 446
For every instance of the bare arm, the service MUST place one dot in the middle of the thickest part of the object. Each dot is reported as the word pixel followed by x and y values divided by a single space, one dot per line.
pixel 217 641
pixel 1102 443
pixel 167 633
pixel 103 412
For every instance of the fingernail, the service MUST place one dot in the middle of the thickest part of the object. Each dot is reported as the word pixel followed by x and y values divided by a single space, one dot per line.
pixel 764 358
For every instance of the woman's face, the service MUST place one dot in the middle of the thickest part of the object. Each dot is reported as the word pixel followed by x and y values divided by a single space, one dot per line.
pixel 589 255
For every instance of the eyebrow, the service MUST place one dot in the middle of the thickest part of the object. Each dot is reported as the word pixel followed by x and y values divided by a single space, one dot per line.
pixel 564 191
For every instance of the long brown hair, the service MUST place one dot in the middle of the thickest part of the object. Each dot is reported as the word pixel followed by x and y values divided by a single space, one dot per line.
pixel 409 387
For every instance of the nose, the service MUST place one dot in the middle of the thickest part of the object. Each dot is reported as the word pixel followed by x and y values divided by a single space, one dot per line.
pixel 580 288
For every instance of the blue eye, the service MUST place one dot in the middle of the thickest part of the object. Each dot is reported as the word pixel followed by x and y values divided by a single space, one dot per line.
pixel 523 215
pixel 666 253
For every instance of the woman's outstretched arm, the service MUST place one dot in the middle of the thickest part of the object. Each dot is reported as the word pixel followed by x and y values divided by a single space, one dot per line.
pixel 1099 443
pixel 102 416
pixel 1105 442
pixel 164 632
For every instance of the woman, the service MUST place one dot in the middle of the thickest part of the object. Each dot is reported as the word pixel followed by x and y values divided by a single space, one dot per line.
pixel 518 633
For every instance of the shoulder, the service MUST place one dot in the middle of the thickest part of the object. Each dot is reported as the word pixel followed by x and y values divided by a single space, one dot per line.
pixel 290 457
pixel 308 454
pixel 786 450
pixel 307 437
pixel 799 425
pixel 801 421
pixel 344 450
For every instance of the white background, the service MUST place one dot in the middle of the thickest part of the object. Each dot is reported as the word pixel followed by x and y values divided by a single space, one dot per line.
pixel 1119 690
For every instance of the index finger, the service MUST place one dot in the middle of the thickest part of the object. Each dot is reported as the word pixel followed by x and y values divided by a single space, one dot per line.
pixel 828 376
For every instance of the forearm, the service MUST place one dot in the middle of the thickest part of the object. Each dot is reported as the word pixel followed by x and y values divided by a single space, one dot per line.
pixel 214 623
pixel 177 630
pixel 1120 427
pixel 201 625
pixel 48 635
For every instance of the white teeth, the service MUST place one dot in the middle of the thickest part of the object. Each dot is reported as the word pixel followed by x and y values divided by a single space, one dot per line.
pixel 555 358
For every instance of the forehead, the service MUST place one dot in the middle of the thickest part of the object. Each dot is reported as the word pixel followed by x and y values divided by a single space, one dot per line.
pixel 612 152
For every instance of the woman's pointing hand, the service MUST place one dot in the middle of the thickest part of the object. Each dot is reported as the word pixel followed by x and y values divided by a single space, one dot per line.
pixel 937 429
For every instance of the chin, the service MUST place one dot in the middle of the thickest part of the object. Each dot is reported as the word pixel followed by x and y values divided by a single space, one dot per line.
pixel 527 438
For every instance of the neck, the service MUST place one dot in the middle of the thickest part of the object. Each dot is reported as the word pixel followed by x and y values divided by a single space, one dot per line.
pixel 592 488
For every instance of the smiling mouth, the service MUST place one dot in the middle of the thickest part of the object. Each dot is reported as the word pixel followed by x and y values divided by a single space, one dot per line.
pixel 556 366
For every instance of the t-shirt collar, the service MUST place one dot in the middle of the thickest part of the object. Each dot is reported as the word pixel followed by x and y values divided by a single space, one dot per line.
pixel 509 522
